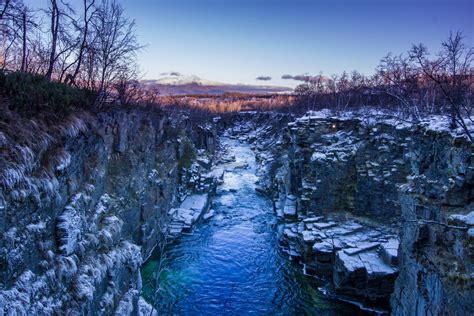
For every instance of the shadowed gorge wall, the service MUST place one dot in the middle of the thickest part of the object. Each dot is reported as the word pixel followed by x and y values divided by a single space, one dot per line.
pixel 382 211
pixel 373 207
pixel 78 226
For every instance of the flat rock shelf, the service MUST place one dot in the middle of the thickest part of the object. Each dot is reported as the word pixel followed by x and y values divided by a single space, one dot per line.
pixel 230 261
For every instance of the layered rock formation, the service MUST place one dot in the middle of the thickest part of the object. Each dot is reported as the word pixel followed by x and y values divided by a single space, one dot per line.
pixel 80 215
pixel 349 190
pixel 382 211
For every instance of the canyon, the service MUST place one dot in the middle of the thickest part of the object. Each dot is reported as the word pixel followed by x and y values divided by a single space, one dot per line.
pixel 379 211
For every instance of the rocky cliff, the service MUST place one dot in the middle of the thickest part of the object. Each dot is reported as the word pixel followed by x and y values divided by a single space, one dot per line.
pixel 82 205
pixel 380 209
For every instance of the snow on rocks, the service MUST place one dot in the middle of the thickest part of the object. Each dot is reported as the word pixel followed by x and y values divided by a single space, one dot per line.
pixel 77 217
pixel 371 117
pixel 71 222
pixel 462 220
pixel 189 211
pixel 364 271
pixel 63 161
pixel 195 202
pixel 289 210
pixel 355 166
pixel 389 251
pixel 145 309
pixel 128 303
pixel 208 215
pixel 349 254
pixel 23 298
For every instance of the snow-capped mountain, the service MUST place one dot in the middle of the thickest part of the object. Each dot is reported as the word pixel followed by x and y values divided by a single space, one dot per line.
pixel 176 78
pixel 175 83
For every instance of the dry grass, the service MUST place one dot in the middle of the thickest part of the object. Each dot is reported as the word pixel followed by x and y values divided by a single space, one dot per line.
pixel 229 102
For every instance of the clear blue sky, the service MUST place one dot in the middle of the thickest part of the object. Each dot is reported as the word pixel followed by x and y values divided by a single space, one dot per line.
pixel 235 41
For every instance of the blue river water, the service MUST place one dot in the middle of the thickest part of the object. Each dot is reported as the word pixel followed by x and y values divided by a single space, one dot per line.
pixel 231 264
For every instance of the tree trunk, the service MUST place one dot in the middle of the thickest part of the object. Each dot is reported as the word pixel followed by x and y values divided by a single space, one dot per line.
pixel 23 57
pixel 84 41
pixel 54 34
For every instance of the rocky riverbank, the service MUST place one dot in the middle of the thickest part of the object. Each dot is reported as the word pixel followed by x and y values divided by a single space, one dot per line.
pixel 230 263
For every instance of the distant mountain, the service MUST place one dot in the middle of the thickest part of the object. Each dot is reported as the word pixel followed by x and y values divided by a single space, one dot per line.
pixel 176 78
pixel 174 83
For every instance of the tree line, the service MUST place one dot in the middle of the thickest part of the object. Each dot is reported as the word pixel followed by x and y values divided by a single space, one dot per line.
pixel 412 85
pixel 89 43
pixel 92 44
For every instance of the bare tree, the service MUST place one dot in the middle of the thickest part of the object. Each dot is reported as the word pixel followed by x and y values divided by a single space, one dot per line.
pixel 399 80
pixel 54 29
pixel 344 85
pixel 358 84
pixel 332 87
pixel 24 29
pixel 4 8
pixel 116 43
pixel 95 48
pixel 38 52
pixel 128 89
pixel 10 29
pixel 16 22
pixel 88 13
pixel 63 39
pixel 452 73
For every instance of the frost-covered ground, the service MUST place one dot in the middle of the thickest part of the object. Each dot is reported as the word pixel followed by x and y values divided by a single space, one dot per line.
pixel 370 117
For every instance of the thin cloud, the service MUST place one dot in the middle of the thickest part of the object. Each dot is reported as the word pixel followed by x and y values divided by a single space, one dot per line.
pixel 172 73
pixel 263 78
pixel 304 78
pixel 297 77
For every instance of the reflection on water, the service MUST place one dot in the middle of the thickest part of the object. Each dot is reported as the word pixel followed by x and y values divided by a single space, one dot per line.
pixel 231 264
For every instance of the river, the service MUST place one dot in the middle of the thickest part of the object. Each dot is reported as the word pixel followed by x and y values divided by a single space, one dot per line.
pixel 231 264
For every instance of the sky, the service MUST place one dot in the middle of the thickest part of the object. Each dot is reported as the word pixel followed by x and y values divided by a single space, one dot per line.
pixel 236 41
